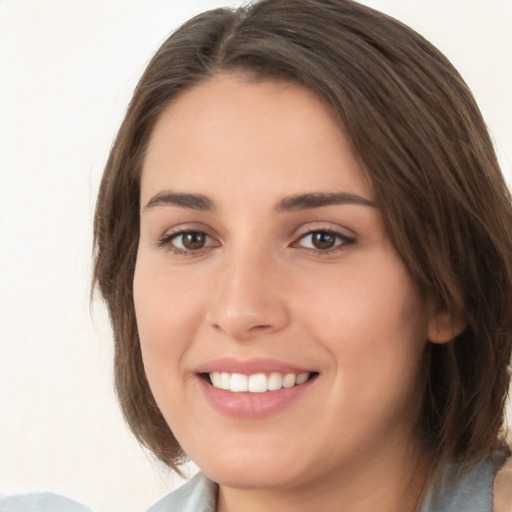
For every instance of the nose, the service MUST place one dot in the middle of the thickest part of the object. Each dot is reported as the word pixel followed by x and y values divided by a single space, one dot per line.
pixel 249 299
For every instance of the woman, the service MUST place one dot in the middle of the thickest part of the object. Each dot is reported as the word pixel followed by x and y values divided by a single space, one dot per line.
pixel 303 239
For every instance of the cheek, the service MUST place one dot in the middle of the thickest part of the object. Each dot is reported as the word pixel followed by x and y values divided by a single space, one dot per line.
pixel 165 305
pixel 376 340
pixel 166 322
pixel 373 322
pixel 167 317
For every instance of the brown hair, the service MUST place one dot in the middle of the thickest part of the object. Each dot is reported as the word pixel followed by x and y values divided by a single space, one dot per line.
pixel 420 137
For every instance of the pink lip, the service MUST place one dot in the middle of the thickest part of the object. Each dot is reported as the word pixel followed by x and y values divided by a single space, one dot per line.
pixel 249 367
pixel 251 405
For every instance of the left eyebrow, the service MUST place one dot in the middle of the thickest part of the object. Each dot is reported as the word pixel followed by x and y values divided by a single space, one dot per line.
pixel 319 199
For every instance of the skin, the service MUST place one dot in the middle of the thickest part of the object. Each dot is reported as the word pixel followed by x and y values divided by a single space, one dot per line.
pixel 259 287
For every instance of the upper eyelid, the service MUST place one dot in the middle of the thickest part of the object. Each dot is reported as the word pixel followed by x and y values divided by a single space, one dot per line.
pixel 187 228
pixel 334 231
pixel 169 235
pixel 166 242
pixel 331 232
pixel 344 238
pixel 166 237
pixel 314 226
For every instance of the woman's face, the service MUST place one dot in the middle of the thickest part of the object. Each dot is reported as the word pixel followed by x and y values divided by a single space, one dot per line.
pixel 281 332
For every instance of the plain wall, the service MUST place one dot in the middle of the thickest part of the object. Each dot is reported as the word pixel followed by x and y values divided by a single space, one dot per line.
pixel 67 70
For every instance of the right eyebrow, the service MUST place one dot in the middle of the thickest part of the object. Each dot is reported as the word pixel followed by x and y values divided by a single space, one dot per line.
pixel 192 201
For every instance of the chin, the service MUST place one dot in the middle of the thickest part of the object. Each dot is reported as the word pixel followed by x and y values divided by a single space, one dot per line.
pixel 253 472
pixel 252 478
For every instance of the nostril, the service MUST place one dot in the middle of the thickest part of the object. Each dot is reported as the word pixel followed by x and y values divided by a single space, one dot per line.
pixel 259 327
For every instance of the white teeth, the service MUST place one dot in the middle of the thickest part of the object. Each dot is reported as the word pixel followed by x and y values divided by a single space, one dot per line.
pixel 257 382
pixel 289 380
pixel 301 378
pixel 225 379
pixel 216 379
pixel 275 381
pixel 239 383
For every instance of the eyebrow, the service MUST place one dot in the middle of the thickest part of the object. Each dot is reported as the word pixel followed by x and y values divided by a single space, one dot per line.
pixel 291 203
pixel 192 201
pixel 320 199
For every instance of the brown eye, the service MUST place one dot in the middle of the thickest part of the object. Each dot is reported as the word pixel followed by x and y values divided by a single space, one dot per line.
pixel 323 240
pixel 190 241
pixel 194 241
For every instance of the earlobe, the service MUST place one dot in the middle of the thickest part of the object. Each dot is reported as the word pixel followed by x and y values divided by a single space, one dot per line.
pixel 444 327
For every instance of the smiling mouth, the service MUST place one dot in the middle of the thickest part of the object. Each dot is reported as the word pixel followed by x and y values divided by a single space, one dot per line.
pixel 257 382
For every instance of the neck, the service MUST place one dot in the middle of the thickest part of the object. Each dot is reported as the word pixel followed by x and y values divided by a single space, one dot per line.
pixel 393 482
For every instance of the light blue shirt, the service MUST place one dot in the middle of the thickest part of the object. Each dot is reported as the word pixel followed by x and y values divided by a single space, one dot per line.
pixel 199 494
pixel 456 490
pixel 41 502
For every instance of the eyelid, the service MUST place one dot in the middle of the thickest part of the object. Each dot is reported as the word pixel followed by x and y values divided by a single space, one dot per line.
pixel 347 237
pixel 166 239
pixel 171 236
pixel 185 227
pixel 311 227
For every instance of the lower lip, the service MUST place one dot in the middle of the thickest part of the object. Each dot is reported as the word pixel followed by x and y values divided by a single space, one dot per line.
pixel 252 405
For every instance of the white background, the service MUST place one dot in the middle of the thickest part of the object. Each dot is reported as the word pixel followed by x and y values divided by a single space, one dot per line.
pixel 67 69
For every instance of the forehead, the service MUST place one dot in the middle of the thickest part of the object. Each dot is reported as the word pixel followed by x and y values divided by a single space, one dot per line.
pixel 231 132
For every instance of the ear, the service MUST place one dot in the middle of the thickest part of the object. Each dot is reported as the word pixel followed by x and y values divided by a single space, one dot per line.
pixel 443 327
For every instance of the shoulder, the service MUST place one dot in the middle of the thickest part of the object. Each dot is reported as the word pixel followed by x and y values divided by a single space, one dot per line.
pixel 503 488
pixel 464 487
pixel 40 502
pixel 199 494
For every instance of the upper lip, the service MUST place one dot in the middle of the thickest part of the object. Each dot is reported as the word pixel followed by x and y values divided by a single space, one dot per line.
pixel 250 366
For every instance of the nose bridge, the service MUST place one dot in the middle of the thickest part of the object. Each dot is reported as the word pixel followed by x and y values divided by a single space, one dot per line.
pixel 248 300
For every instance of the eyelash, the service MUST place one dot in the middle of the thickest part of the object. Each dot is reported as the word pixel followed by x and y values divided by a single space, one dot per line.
pixel 342 241
pixel 167 242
